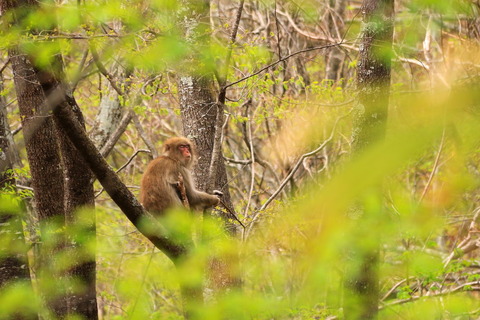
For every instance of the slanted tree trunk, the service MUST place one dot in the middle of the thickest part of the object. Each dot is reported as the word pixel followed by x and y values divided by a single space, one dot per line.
pixel 121 195
pixel 14 269
pixel 373 82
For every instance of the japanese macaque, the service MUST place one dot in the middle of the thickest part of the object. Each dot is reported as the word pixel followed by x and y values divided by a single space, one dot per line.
pixel 167 182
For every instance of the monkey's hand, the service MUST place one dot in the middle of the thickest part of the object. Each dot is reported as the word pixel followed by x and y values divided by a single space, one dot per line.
pixel 218 193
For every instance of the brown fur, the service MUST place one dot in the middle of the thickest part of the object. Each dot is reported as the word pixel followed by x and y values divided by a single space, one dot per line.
pixel 159 189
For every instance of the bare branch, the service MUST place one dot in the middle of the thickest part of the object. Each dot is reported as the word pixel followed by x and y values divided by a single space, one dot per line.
pixel 112 140
pixel 281 60
pixel 104 71
pixel 435 167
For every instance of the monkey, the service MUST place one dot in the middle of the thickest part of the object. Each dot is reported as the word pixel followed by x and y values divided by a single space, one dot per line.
pixel 167 182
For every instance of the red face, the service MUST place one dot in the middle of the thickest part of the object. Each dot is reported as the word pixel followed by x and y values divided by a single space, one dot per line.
pixel 185 151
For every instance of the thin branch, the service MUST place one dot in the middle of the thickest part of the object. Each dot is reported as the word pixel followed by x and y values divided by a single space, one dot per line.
pixel 414 61
pixel 398 284
pixel 19 186
pixel 233 38
pixel 467 245
pixel 281 60
pixel 237 161
pixel 435 167
pixel 5 65
pixel 104 71
pixel 231 213
pixel 131 158
pixel 77 36
pixel 312 36
pixel 78 74
pixel 144 136
pixel 252 179
pixel 297 165
pixel 112 140
pixel 122 167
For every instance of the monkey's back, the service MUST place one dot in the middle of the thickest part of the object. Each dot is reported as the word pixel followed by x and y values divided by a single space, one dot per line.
pixel 157 192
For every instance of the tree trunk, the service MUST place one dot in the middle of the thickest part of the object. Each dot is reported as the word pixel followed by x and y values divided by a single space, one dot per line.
pixel 112 113
pixel 373 72
pixel 78 194
pixel 45 165
pixel 373 83
pixel 14 268
pixel 40 140
pixel 202 115
pixel 199 107
pixel 55 164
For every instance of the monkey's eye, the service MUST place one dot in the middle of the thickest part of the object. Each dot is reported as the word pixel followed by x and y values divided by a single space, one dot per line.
pixel 184 146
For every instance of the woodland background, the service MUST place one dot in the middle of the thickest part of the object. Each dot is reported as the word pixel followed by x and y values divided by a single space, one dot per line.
pixel 344 135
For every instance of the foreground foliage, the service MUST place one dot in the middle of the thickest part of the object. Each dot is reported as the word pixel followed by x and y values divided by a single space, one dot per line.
pixel 296 185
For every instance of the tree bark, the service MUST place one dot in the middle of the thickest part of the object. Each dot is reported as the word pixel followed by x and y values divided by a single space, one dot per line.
pixel 14 269
pixel 43 156
pixel 40 140
pixel 202 116
pixel 45 165
pixel 113 116
pixel 71 173
pixel 373 72
pixel 373 83
pixel 199 108
pixel 112 111
pixel 78 194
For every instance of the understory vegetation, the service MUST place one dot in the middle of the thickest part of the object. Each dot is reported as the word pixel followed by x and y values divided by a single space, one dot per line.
pixel 400 209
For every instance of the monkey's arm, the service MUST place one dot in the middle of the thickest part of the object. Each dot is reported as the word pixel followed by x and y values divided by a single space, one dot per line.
pixel 198 199
pixel 201 200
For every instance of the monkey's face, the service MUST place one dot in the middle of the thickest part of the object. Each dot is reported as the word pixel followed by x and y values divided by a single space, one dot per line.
pixel 186 153
pixel 181 149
